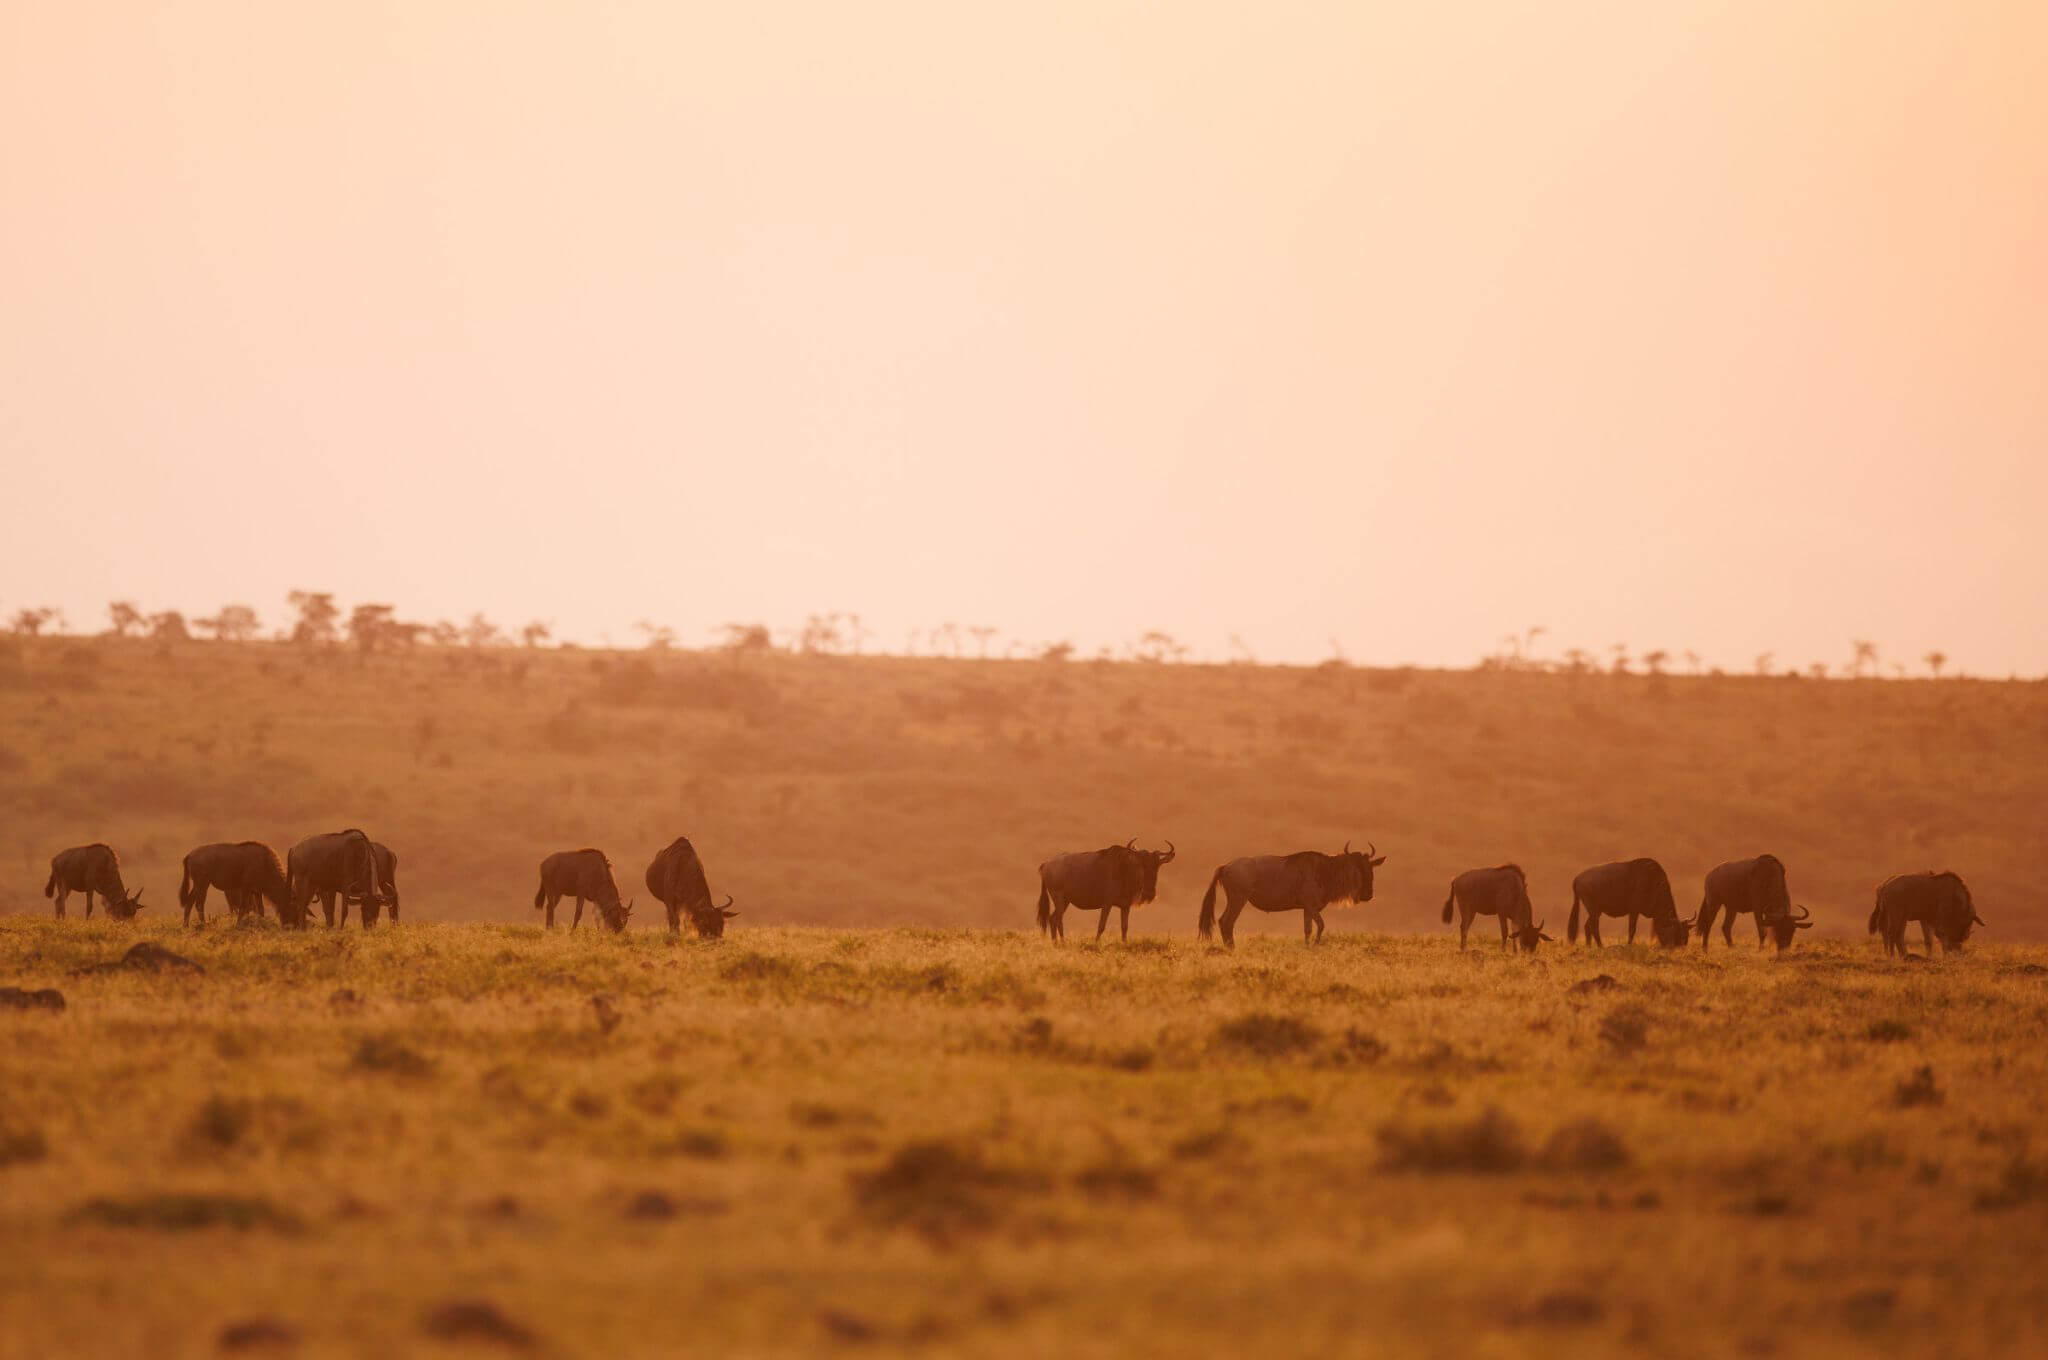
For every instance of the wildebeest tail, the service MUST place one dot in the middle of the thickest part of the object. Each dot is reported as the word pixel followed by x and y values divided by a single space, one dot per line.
pixel 1044 908
pixel 1876 912
pixel 1571 927
pixel 186 891
pixel 1449 898
pixel 50 888
pixel 540 894
pixel 1207 925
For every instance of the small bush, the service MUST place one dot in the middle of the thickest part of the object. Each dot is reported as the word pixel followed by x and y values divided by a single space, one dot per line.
pixel 938 1189
pixel 1918 1089
pixel 1489 1145
pixel 1625 1028
pixel 2020 1183
pixel 1888 1031
pixel 21 1145
pixel 1117 1180
pixel 388 1054
pixel 1267 1036
pixel 751 967
pixel 708 1145
pixel 1584 1145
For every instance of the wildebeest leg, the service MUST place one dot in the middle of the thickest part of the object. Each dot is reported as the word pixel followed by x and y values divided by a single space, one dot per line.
pixel 1631 927
pixel 1101 922
pixel 62 893
pixel 1706 923
pixel 1504 933
pixel 1319 927
pixel 1464 928
pixel 1308 926
pixel 1593 927
pixel 1759 930
pixel 327 908
pixel 1927 939
pixel 1123 924
pixel 1232 908
pixel 88 904
pixel 578 919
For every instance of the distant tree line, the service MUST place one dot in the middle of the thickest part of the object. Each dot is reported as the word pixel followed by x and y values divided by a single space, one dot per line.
pixel 314 619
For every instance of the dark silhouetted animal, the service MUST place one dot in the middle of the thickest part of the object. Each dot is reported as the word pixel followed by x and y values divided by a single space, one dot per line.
pixel 583 875
pixel 676 878
pixel 1116 876
pixel 386 861
pixel 1631 888
pixel 1307 881
pixel 1503 893
pixel 1756 886
pixel 246 872
pixel 1940 902
pixel 91 869
pixel 335 865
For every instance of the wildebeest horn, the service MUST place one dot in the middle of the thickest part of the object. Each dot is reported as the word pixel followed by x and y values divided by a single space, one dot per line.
pixel 138 895
pixel 1170 852
pixel 1347 845
pixel 1131 844
pixel 1371 849
pixel 1979 920
pixel 1803 914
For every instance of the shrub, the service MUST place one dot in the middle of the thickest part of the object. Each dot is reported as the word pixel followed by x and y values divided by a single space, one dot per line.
pixel 1489 1145
pixel 1267 1036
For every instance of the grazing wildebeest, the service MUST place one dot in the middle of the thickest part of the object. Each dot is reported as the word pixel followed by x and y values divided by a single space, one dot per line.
pixel 91 869
pixel 1119 876
pixel 1501 892
pixel 1306 881
pixel 246 872
pixel 331 865
pixel 1756 886
pixel 581 874
pixel 386 862
pixel 1631 888
pixel 676 878
pixel 1940 902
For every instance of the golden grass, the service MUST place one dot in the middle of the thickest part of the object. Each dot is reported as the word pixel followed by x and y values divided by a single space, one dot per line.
pixel 968 1142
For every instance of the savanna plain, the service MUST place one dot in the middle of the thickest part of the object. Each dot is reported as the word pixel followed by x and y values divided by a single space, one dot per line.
pixel 883 1114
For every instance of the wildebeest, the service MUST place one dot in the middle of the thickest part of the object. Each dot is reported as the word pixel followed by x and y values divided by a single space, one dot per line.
pixel 1501 892
pixel 676 878
pixel 331 865
pixel 386 862
pixel 1940 902
pixel 1632 888
pixel 584 875
pixel 246 872
pixel 91 869
pixel 1119 876
pixel 1306 881
pixel 1756 886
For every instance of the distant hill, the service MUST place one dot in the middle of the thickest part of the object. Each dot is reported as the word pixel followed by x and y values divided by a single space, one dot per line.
pixel 850 790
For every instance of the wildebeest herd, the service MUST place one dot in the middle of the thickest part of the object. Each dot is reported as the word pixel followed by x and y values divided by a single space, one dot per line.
pixel 347 868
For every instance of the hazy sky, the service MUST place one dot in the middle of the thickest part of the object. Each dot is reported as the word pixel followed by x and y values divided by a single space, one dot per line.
pixel 1717 326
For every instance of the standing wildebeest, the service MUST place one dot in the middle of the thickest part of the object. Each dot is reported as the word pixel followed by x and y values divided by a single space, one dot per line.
pixel 1939 902
pixel 1306 881
pixel 1756 886
pixel 581 874
pixel 676 878
pixel 1501 892
pixel 1119 876
pixel 1631 888
pixel 330 865
pixel 91 869
pixel 386 862
pixel 246 872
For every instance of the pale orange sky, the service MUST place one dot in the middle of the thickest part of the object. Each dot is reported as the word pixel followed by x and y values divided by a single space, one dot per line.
pixel 1713 326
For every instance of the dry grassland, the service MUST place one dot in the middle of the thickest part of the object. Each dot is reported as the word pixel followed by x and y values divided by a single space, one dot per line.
pixel 965 1142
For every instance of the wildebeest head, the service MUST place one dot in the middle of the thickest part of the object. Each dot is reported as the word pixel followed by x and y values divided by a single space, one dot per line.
pixel 1529 936
pixel 616 914
pixel 1362 863
pixel 1786 926
pixel 124 908
pixel 1957 917
pixel 1673 931
pixel 1147 863
pixel 709 920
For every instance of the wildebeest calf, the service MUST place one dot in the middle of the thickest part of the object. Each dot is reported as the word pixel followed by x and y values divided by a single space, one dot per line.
pixel 581 874
pixel 246 872
pixel 1940 902
pixel 91 869
pixel 1502 892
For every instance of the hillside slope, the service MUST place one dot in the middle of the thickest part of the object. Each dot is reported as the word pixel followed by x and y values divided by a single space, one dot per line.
pixel 884 790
